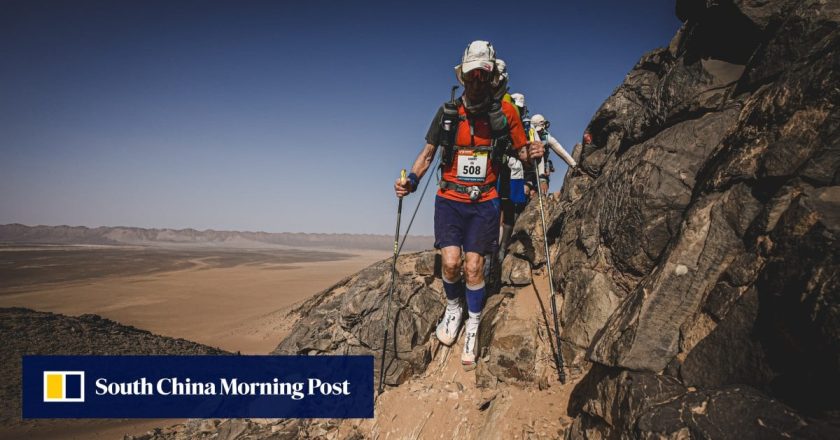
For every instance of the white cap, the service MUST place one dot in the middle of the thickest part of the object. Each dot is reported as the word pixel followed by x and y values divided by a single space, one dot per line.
pixel 538 121
pixel 518 99
pixel 501 67
pixel 478 55
pixel 501 73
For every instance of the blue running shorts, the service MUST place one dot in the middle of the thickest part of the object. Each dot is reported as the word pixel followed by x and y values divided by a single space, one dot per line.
pixel 472 226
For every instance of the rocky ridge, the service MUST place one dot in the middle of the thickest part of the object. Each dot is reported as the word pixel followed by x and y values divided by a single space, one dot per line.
pixel 700 266
pixel 28 332
pixel 696 253
pixel 696 258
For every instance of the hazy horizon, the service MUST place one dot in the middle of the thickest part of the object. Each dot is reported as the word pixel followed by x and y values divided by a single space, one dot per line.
pixel 205 229
pixel 272 116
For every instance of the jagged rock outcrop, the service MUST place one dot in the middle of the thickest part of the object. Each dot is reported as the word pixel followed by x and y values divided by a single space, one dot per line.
pixel 730 412
pixel 349 317
pixel 698 253
pixel 27 332
pixel 511 345
pixel 641 405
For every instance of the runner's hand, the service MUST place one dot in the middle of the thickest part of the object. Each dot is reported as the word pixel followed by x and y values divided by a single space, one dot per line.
pixel 402 187
pixel 536 149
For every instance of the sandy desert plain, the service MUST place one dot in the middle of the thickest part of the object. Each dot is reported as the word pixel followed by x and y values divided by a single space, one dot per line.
pixel 233 299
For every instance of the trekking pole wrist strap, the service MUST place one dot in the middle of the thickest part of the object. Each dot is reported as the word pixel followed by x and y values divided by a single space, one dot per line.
pixel 413 180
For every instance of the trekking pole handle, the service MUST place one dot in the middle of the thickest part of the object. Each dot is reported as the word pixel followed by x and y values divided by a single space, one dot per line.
pixel 403 178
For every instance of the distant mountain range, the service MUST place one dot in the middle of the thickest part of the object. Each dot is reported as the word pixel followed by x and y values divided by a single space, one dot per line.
pixel 119 235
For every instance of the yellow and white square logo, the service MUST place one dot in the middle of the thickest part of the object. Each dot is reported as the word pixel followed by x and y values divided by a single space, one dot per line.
pixel 64 386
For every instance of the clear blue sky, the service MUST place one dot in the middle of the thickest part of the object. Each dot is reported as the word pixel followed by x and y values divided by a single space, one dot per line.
pixel 275 116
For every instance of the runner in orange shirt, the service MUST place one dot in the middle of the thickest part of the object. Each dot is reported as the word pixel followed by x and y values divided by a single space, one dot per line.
pixel 475 131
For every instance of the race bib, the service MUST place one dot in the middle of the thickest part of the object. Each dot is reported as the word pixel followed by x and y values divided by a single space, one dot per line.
pixel 472 166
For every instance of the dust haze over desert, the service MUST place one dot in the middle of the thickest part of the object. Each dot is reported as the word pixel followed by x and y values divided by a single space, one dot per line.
pixel 201 288
pixel 224 289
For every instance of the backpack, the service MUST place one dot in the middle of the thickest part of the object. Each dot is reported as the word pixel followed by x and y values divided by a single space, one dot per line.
pixel 501 141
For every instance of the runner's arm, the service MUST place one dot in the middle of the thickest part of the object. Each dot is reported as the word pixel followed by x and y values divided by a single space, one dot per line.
pixel 424 161
pixel 421 165
pixel 557 148
pixel 525 151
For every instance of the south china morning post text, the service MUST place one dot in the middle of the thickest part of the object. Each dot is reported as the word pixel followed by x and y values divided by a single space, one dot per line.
pixel 173 386
pixel 198 386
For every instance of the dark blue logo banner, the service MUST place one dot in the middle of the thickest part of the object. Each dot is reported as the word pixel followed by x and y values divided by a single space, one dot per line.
pixel 197 386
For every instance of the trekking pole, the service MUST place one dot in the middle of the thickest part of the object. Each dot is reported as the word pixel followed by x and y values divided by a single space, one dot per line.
pixel 391 291
pixel 417 207
pixel 426 185
pixel 559 357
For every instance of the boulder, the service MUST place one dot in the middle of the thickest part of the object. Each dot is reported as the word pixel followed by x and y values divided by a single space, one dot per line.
pixel 734 412
pixel 511 352
pixel 350 317
pixel 611 399
pixel 644 333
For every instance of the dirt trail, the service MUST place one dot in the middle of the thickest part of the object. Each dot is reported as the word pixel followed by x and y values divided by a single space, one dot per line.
pixel 445 402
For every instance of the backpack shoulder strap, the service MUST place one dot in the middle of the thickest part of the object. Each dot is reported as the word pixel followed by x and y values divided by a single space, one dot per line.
pixel 448 129
pixel 500 131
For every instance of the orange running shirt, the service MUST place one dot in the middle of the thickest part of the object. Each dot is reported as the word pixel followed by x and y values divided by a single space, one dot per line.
pixel 480 137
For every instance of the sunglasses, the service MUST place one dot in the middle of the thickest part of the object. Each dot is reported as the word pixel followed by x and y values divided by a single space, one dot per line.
pixel 478 75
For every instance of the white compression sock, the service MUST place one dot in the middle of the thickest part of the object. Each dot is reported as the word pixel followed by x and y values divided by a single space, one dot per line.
pixel 472 322
pixel 453 304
